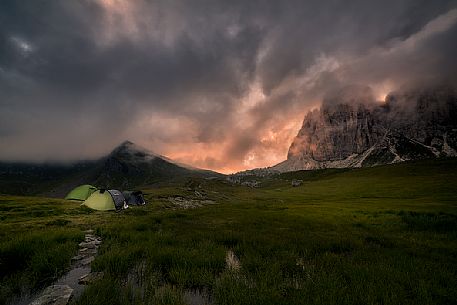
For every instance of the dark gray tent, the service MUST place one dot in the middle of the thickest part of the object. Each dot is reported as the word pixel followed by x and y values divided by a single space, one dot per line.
pixel 134 197
pixel 119 199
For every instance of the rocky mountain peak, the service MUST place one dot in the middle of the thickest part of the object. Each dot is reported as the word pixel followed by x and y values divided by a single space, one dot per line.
pixel 351 129
pixel 128 149
pixel 353 95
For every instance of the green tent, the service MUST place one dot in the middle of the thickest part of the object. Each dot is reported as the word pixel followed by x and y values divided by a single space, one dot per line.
pixel 106 200
pixel 81 192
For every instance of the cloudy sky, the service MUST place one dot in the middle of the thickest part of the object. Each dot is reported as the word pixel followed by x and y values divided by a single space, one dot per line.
pixel 216 84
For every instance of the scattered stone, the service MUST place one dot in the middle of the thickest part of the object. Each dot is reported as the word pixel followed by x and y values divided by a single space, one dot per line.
pixel 91 252
pixel 83 250
pixel 77 257
pixel 93 241
pixel 296 183
pixel 89 245
pixel 92 237
pixel 233 179
pixel 252 183
pixel 54 295
pixel 179 202
pixel 89 231
pixel 89 278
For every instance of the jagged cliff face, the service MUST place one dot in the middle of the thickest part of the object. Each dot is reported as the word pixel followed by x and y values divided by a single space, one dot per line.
pixel 353 130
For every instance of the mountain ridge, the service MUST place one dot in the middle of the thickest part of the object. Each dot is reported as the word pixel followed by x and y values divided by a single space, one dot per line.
pixel 127 166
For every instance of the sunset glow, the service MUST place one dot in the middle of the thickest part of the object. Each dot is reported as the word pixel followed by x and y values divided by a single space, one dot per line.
pixel 221 85
pixel 382 97
pixel 228 152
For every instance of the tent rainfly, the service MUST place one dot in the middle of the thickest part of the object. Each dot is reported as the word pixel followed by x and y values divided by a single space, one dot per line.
pixel 106 200
pixel 81 193
pixel 134 198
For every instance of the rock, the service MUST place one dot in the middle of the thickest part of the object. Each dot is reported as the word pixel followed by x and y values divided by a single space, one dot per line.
pixel 87 261
pixel 89 231
pixel 54 295
pixel 184 203
pixel 91 252
pixel 296 183
pixel 88 239
pixel 93 241
pixel 77 257
pixel 351 129
pixel 89 245
pixel 251 183
pixel 89 278
pixel 87 252
pixel 233 179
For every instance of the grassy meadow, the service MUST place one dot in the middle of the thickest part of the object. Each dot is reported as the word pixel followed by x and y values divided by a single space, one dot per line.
pixel 383 235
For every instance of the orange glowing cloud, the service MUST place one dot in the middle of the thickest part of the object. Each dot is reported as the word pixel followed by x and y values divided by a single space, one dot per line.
pixel 244 143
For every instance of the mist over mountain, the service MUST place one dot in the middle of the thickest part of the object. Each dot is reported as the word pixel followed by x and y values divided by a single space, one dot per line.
pixel 352 130
pixel 215 84
pixel 127 166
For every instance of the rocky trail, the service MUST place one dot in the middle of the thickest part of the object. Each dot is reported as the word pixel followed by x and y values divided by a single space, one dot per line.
pixel 72 284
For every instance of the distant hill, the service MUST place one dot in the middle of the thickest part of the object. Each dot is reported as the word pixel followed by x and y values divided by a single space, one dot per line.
pixel 127 166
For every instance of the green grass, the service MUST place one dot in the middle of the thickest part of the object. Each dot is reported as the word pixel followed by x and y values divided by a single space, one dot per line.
pixel 384 235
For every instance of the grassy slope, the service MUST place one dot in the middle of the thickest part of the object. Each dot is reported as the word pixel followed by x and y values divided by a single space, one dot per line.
pixel 385 235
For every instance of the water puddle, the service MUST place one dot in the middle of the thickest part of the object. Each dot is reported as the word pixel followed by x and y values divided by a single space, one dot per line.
pixel 72 278
pixel 197 297
pixel 203 296
pixel 137 280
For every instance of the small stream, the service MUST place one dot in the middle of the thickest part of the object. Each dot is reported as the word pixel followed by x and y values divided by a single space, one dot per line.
pixel 80 267
pixel 71 285
pixel 72 278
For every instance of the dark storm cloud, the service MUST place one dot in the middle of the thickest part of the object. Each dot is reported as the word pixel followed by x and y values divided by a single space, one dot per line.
pixel 213 83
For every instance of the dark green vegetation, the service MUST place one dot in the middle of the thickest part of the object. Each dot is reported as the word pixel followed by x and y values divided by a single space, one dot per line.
pixel 384 235
pixel 127 166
